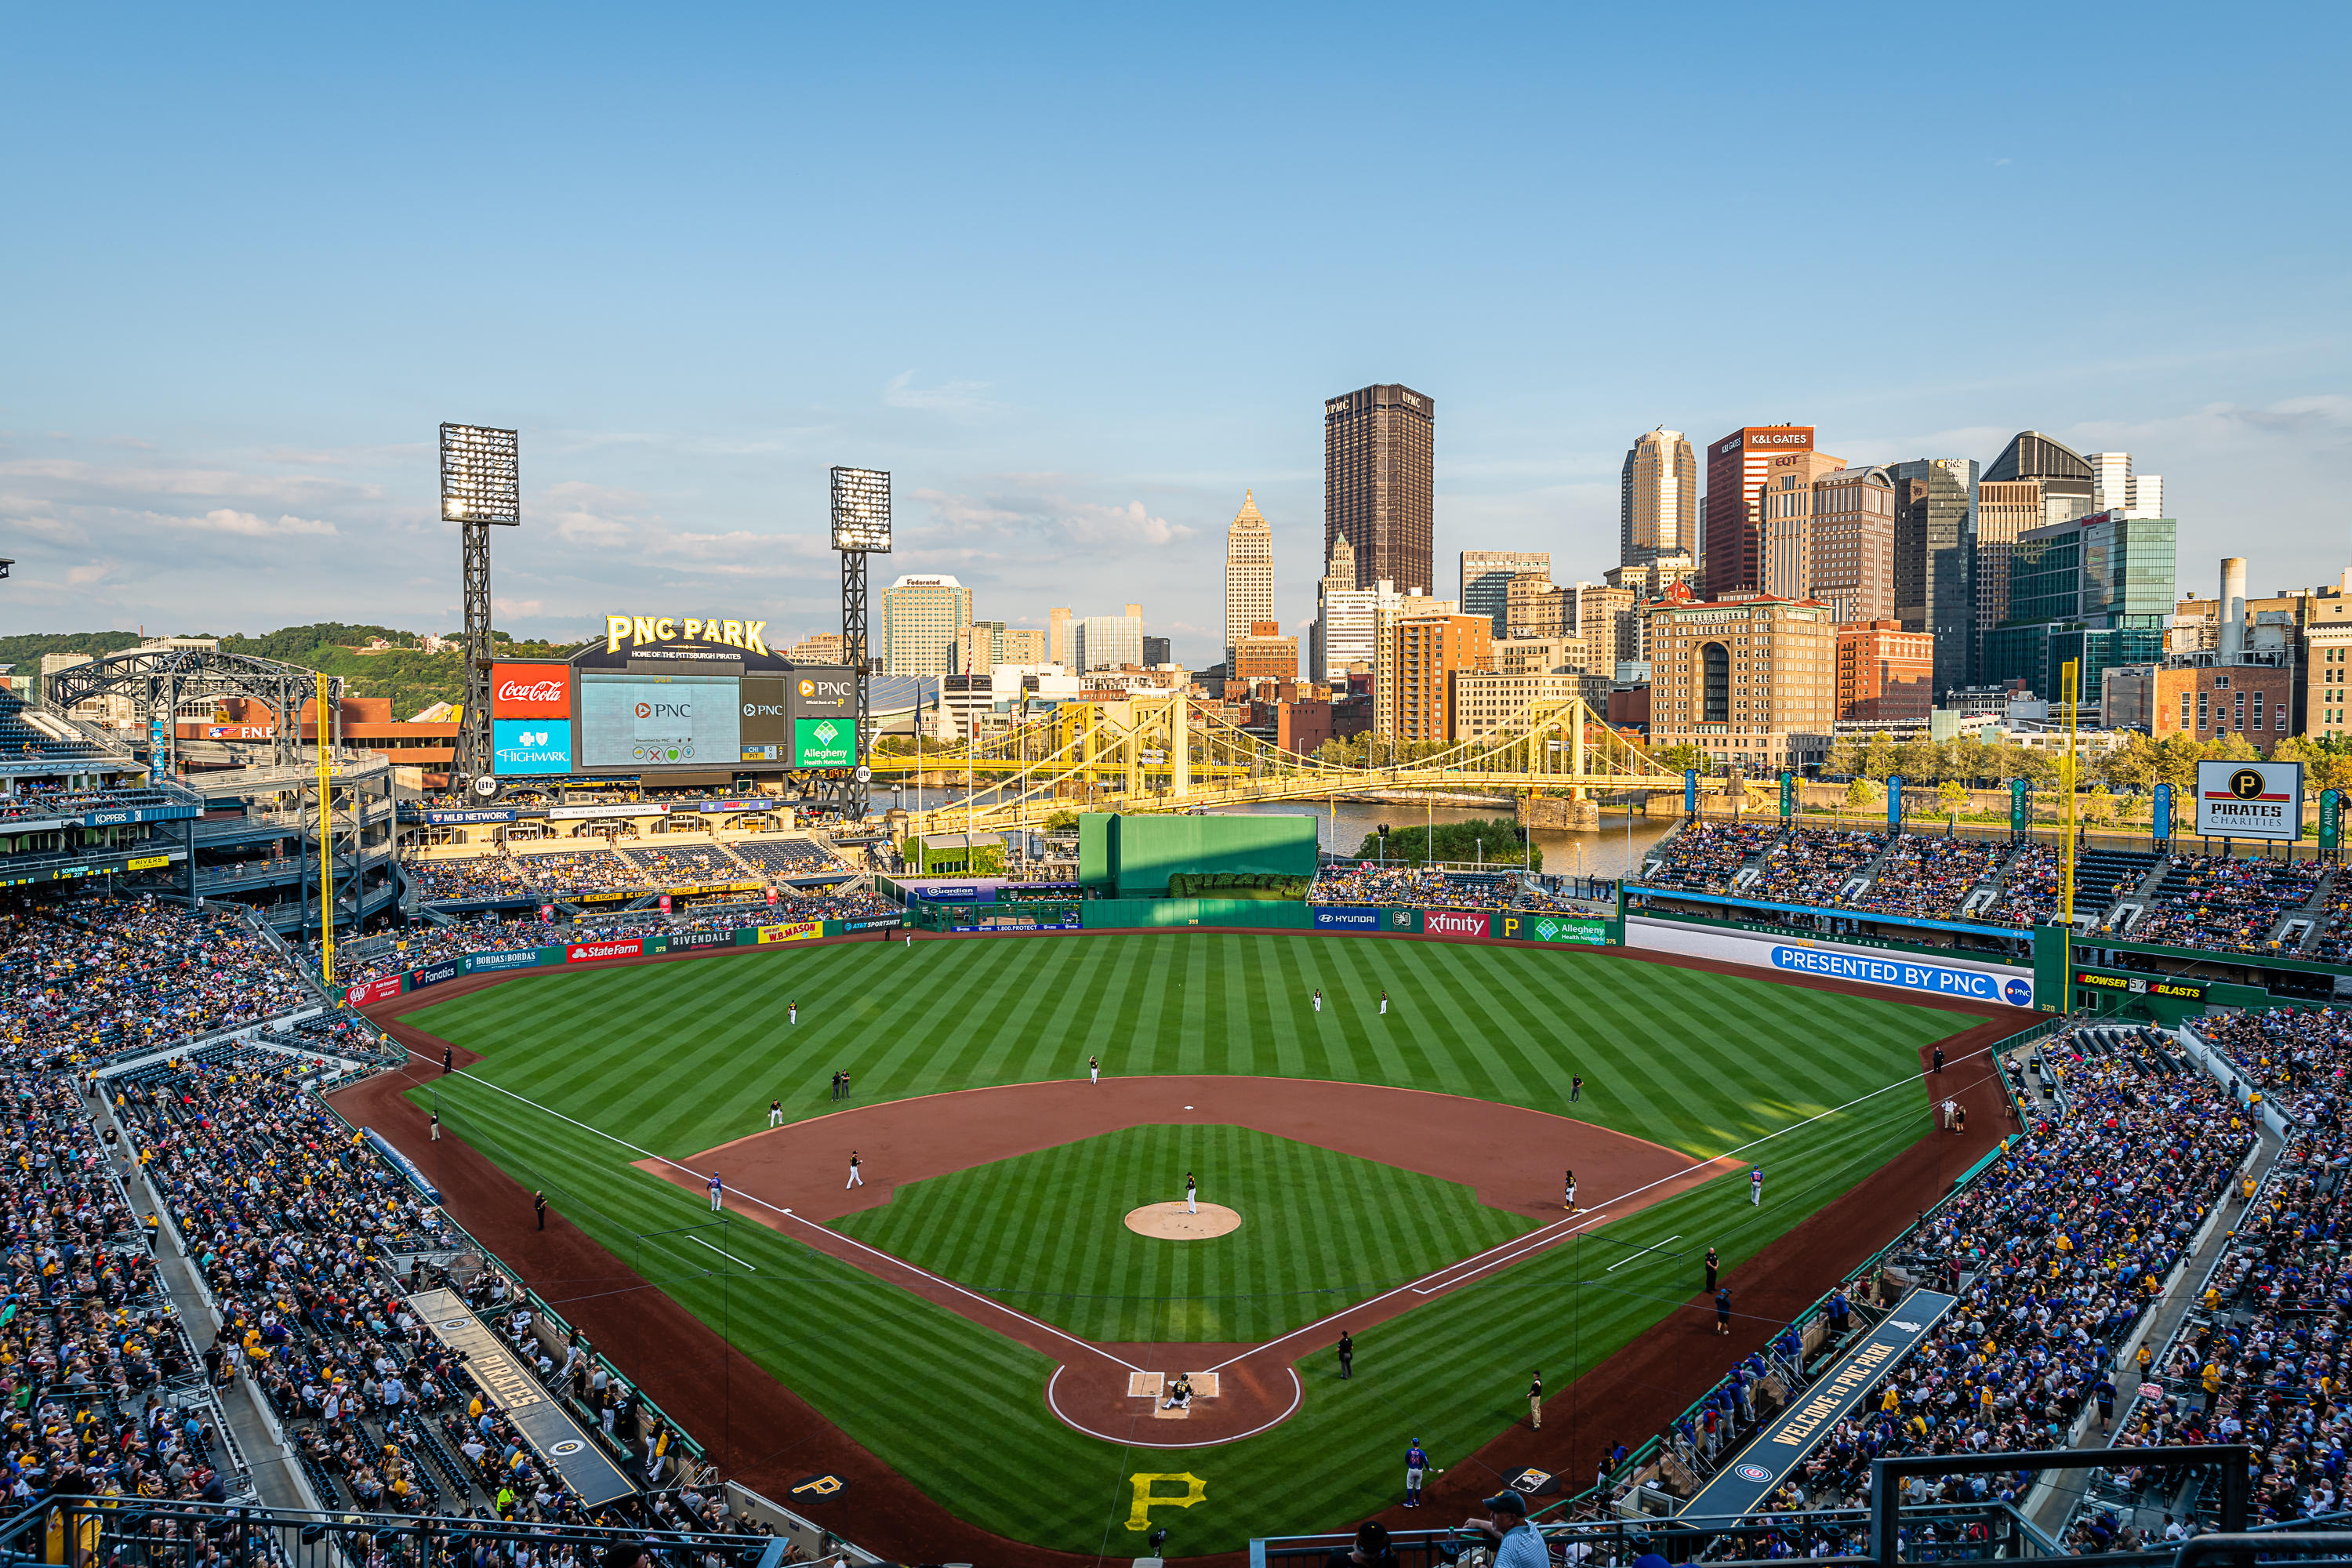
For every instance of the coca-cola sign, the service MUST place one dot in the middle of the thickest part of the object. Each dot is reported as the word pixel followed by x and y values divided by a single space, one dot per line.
pixel 531 692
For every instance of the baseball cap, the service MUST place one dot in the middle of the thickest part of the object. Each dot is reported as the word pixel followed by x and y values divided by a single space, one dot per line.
pixel 1506 1501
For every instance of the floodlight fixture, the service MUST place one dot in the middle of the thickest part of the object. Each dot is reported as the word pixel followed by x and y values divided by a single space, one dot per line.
pixel 4 564
pixel 861 510
pixel 482 475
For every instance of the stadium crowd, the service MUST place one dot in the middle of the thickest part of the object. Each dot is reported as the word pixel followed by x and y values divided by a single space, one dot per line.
pixel 1810 868
pixel 2230 903
pixel 2296 1059
pixel 1929 877
pixel 1705 856
pixel 96 977
pixel 504 874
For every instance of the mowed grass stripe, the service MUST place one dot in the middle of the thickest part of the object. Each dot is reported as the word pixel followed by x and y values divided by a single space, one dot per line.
pixel 906 1378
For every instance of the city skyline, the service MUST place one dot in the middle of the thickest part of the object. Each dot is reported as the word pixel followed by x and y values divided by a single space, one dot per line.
pixel 221 415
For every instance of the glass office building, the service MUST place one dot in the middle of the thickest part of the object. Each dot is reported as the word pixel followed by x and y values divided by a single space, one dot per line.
pixel 2094 589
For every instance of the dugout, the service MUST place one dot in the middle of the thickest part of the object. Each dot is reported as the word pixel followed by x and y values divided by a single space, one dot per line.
pixel 1122 856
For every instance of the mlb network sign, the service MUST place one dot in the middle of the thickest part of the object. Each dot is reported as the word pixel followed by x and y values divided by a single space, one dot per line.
pixel 530 746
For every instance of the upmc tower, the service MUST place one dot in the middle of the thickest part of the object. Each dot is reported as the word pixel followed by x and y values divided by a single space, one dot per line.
pixel 1737 466
pixel 1379 483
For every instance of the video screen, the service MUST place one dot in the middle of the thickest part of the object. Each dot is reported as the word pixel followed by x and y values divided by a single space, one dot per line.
pixel 658 721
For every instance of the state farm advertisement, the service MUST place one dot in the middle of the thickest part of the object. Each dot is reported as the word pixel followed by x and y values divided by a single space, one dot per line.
pixel 590 952
pixel 531 692
pixel 1454 922
pixel 383 990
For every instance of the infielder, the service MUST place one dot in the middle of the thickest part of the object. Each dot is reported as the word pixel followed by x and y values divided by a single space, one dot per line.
pixel 1416 1465
pixel 717 1191
pixel 855 1180
pixel 1191 1194
pixel 1094 1070
pixel 776 1113
pixel 1571 1205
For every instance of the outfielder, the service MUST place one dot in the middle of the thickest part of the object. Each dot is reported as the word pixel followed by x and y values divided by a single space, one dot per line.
pixel 792 1012
pixel 1756 1186
pixel 1094 1070
pixel 776 1113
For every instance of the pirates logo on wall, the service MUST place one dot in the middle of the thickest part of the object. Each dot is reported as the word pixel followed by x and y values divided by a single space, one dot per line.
pixel 817 1488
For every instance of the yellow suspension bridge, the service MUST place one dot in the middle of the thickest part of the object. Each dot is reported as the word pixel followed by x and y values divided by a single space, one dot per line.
pixel 1152 754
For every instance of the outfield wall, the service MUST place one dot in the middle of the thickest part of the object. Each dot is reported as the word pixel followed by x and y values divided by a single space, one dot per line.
pixel 1974 979
pixel 1132 856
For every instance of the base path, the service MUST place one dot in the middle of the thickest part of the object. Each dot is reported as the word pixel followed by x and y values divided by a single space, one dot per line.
pixel 790 1178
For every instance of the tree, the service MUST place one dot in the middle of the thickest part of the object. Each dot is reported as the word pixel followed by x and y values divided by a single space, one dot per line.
pixel 2178 755
pixel 1919 761
pixel 2230 748
pixel 2131 766
pixel 1879 760
pixel 1684 757
pixel 1952 798
pixel 1845 758
pixel 1972 759
pixel 1861 795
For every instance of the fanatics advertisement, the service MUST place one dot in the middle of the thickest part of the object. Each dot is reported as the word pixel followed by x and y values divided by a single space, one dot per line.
pixel 2249 800
pixel 1943 976
pixel 438 972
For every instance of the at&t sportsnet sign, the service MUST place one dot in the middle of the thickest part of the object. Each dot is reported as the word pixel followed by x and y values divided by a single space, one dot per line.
pixel 2249 800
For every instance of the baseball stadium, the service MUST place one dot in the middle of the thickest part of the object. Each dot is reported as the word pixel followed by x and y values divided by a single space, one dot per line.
pixel 1102 1163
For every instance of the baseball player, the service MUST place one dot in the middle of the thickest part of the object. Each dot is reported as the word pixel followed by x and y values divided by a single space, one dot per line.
pixel 1756 1186
pixel 1571 1205
pixel 792 1012
pixel 717 1191
pixel 1384 1004
pixel 1535 1403
pixel 1180 1393
pixel 855 1179
pixel 776 1113
pixel 1575 1088
pixel 1094 1070
pixel 1416 1465
pixel 1319 999
pixel 1723 1311
pixel 1191 1194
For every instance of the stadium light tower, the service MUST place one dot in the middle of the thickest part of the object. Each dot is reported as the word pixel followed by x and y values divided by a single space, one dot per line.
pixel 481 488
pixel 861 527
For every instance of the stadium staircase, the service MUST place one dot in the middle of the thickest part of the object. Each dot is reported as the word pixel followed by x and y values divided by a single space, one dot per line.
pixel 1752 869
pixel 1985 894
pixel 2298 930
pixel 2122 882
pixel 1862 880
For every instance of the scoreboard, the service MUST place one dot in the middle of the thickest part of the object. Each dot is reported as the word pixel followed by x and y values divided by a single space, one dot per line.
pixel 671 696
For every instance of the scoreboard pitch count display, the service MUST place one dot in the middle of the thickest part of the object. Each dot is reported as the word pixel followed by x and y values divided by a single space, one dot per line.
pixel 661 694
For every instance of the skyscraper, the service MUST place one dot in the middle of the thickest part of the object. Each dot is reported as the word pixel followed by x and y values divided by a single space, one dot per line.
pixel 1058 638
pixel 1786 505
pixel 1935 560
pixel 1249 574
pixel 1486 580
pixel 1658 512
pixel 1343 632
pixel 1737 468
pixel 1379 482
pixel 2114 488
pixel 1852 523
pixel 2067 482
pixel 922 617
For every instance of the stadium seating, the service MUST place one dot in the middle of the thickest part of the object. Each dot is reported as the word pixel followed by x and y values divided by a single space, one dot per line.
pixel 2231 904
pixel 786 856
pixel 1704 857
pixel 1810 868
pixel 1929 877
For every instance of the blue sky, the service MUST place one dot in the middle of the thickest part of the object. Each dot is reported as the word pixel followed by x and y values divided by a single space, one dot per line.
pixel 1079 276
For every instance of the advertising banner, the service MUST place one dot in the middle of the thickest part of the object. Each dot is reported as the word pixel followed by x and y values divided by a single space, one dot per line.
pixel 2160 813
pixel 1690 792
pixel 687 941
pixel 1454 922
pixel 615 897
pixel 2019 816
pixel 871 922
pixel 463 818
pixel 795 931
pixel 824 743
pixel 764 733
pixel 1788 795
pixel 629 808
pixel 590 952
pixel 1333 917
pixel 1895 803
pixel 434 975
pixel 530 745
pixel 753 804
pixel 658 721
pixel 1782 1446
pixel 2249 800
pixel 2331 819
pixel 374 990
pixel 146 862
pixel 1590 931
pixel 2010 984
pixel 510 958
pixel 531 692
pixel 2140 985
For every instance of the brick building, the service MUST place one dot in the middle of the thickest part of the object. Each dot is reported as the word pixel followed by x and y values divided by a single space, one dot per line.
pixel 1884 674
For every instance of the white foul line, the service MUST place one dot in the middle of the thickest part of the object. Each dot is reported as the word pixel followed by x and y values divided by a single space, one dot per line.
pixel 1651 1248
pixel 833 1234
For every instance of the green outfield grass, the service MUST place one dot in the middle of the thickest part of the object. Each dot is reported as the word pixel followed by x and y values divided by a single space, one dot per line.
pixel 1047 1233
pixel 675 1058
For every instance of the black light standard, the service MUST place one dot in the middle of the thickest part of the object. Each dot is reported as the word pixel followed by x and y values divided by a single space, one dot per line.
pixel 481 486
pixel 861 527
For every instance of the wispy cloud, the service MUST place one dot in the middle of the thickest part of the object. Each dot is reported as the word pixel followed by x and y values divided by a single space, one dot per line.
pixel 962 399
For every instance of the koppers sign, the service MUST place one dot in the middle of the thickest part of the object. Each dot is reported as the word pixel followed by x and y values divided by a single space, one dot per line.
pixel 1328 917
pixel 1937 976
pixel 383 990
pixel 590 952
pixel 1454 922
pixel 798 931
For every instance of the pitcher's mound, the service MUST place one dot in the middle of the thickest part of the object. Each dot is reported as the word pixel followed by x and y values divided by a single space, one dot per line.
pixel 1170 1223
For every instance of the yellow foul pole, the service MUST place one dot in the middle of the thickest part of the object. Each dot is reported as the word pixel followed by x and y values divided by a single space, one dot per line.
pixel 326 847
pixel 2071 679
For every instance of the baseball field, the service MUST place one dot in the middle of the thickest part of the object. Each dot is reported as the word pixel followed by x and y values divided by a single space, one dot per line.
pixel 974 1317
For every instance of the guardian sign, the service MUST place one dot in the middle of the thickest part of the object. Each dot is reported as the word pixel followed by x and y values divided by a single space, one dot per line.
pixel 2249 800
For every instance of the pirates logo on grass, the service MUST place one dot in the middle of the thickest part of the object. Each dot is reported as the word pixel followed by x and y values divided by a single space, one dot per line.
pixel 1138 1517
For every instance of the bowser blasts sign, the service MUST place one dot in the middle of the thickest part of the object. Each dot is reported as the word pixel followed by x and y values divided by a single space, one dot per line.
pixel 531 692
